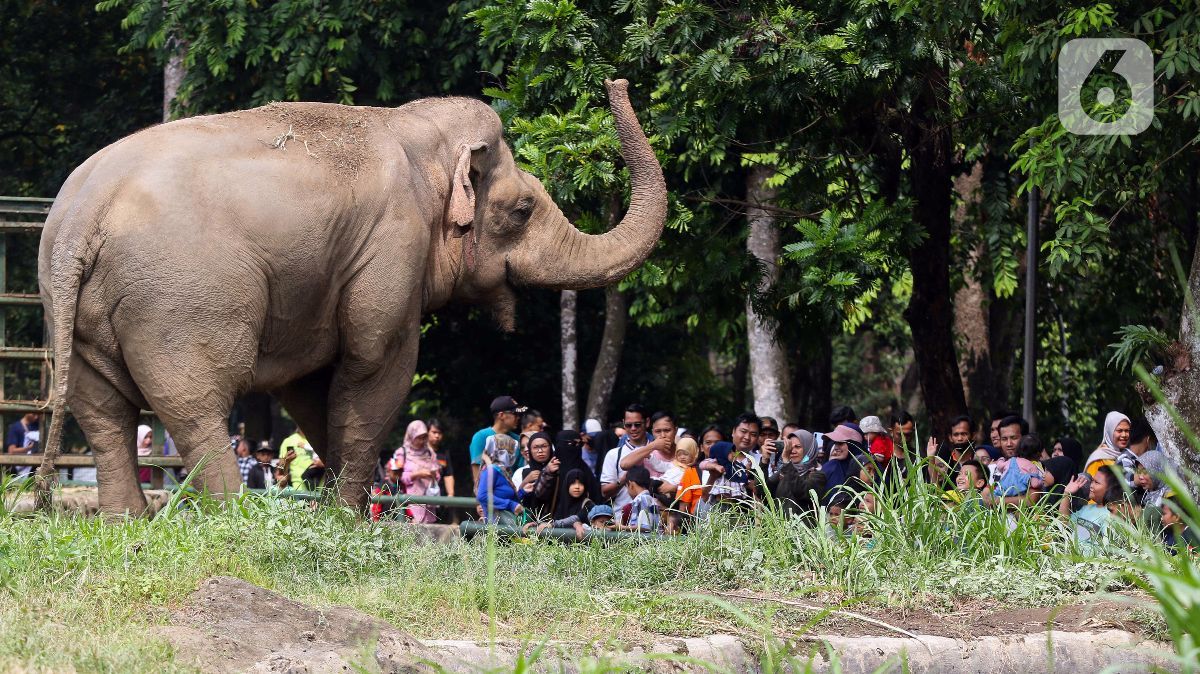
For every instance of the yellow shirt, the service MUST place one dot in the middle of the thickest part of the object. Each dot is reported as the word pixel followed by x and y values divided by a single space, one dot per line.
pixel 304 458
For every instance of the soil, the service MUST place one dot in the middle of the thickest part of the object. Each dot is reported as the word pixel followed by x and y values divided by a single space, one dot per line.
pixel 230 625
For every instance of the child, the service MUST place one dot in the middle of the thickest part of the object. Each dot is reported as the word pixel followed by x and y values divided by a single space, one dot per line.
pixel 1176 535
pixel 684 475
pixel 389 487
pixel 601 517
pixel 1018 477
pixel 969 485
pixel 643 515
pixel 579 507
pixel 496 494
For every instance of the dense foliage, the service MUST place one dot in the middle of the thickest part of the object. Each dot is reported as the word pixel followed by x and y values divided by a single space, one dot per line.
pixel 901 139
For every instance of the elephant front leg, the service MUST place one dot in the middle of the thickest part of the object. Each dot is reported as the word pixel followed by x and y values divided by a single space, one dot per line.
pixel 365 398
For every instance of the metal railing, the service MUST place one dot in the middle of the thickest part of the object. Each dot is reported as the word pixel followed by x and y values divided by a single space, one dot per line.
pixel 26 216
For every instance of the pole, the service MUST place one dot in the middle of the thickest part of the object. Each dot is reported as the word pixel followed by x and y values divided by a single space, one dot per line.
pixel 1031 257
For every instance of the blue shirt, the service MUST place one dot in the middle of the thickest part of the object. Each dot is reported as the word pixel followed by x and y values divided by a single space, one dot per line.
pixel 479 440
pixel 16 434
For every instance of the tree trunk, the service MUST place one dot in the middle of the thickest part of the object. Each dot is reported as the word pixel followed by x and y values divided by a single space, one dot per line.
pixel 570 359
pixel 930 314
pixel 971 300
pixel 768 360
pixel 612 343
pixel 1180 383
pixel 173 73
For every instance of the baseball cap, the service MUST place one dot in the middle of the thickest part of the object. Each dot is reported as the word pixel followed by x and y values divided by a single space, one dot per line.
pixel 871 425
pixel 844 434
pixel 600 511
pixel 507 404
pixel 768 424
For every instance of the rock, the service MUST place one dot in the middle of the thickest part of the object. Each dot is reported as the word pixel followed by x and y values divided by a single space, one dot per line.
pixel 1016 654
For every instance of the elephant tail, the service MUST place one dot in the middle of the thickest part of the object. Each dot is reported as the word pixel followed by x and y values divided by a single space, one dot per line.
pixel 72 254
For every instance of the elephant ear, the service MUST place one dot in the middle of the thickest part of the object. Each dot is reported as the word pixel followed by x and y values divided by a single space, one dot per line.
pixel 462 193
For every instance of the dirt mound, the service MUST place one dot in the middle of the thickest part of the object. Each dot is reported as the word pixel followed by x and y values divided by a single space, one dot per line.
pixel 230 625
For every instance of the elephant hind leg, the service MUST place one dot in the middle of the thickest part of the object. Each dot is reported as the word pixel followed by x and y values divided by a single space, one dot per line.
pixel 110 422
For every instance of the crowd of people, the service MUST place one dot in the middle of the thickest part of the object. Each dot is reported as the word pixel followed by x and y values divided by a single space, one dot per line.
pixel 652 474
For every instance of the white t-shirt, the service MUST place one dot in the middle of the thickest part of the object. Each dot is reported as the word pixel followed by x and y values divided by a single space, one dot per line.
pixel 612 472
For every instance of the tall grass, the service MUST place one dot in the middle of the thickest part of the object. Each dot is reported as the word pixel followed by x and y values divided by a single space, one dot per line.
pixel 107 582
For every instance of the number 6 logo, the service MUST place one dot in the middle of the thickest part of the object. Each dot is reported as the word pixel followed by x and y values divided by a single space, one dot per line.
pixel 1076 62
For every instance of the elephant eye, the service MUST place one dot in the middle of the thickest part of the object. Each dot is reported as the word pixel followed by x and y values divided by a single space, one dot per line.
pixel 524 208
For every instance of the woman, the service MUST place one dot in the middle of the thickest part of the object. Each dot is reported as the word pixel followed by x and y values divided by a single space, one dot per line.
pixel 144 447
pixel 420 470
pixel 842 469
pixel 1092 520
pixel 568 449
pixel 540 483
pixel 709 437
pixel 799 476
pixel 436 435
pixel 1116 439
pixel 1070 448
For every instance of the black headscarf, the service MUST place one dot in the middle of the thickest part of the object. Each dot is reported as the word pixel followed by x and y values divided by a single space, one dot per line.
pixel 569 450
pixel 534 464
pixel 541 503
pixel 1073 450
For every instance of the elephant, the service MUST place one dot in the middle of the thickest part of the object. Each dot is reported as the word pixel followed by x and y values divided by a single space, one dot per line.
pixel 293 249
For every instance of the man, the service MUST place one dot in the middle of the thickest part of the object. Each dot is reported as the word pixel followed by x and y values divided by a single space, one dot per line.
pixel 768 433
pixel 532 422
pixel 731 477
pixel 262 473
pixel 613 480
pixel 506 416
pixel 659 454
pixel 16 442
pixel 304 467
pixel 241 449
pixel 1012 428
pixel 996 419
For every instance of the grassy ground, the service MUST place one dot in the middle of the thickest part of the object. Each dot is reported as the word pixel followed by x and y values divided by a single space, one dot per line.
pixel 77 593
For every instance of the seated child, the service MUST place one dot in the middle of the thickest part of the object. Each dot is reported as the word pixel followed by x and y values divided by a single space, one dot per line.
pixel 578 507
pixel 1018 476
pixel 643 514
pixel 601 518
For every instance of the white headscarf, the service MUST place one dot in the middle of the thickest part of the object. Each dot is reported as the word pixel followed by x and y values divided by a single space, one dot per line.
pixel 143 431
pixel 1108 451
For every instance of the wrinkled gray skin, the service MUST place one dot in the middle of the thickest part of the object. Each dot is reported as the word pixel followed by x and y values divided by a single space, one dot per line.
pixel 293 249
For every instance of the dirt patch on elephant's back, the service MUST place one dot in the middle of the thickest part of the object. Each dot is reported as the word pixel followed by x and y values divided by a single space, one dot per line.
pixel 337 136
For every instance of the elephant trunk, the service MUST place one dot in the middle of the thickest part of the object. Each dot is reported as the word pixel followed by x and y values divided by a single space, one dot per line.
pixel 563 258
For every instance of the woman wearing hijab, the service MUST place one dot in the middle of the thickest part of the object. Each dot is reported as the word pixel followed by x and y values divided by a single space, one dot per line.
pixel 799 475
pixel 568 449
pixel 1116 438
pixel 1070 448
pixel 540 484
pixel 144 443
pixel 420 470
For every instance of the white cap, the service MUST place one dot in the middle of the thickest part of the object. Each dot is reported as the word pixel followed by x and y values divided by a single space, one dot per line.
pixel 592 426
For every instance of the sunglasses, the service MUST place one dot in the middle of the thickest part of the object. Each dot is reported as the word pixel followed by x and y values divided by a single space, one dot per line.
pixel 634 424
